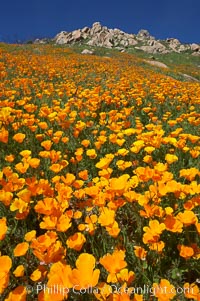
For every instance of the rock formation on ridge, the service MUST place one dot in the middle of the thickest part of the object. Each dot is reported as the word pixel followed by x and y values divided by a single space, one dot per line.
pixel 102 36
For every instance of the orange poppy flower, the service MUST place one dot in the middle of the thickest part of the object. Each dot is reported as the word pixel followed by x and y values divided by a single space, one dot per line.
pixel 113 263
pixel 85 143
pixel 104 291
pixel 34 162
pixel 56 167
pixel 10 158
pixel 19 137
pixel 83 175
pixel 47 144
pixel 126 275
pixel 171 158
pixel 76 241
pixel 21 249
pixel 6 197
pixel 91 153
pixel 64 139
pixel 29 236
pixel 198 227
pixel 47 206
pixel 185 251
pixel 36 275
pixel 43 125
pixel 64 223
pixel 18 294
pixel 90 225
pixel 138 297
pixel 189 174
pixel 164 291
pixel 78 184
pixel 85 273
pixel 5 266
pixel 119 184
pixel 147 159
pixel 58 277
pixel 140 252
pixel 187 217
pixel 107 217
pixel 152 233
pixel 191 291
pixel 105 173
pixel 47 248
pixel 144 173
pixel 49 222
pixel 173 224
pixel 157 246
pixel 22 167
pixel 68 179
pixel 19 271
pixel 19 205
pixel 104 162
pixel 4 135
pixel 3 228
pixel 113 229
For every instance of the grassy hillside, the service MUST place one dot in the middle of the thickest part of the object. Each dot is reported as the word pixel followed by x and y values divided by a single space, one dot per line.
pixel 99 175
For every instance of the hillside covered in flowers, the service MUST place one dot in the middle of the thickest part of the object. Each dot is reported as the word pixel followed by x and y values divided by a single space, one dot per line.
pixel 99 178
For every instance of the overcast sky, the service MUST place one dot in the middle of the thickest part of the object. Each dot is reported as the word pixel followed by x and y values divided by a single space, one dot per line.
pixel 26 19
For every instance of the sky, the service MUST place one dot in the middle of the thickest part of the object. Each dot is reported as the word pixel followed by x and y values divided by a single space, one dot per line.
pixel 22 20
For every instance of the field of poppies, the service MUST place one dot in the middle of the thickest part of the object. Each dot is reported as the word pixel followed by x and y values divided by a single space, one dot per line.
pixel 99 178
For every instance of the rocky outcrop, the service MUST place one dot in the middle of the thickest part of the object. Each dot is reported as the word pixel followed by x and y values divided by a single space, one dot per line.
pixel 87 51
pixel 153 47
pixel 98 35
pixel 156 64
pixel 102 36
pixel 190 78
pixel 143 35
pixel 195 48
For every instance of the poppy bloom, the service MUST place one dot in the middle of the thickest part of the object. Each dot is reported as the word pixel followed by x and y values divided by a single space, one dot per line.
pixel 85 273
pixel 29 236
pixel 34 162
pixel 46 144
pixel 21 249
pixel 140 252
pixel 191 291
pixel 113 263
pixel 19 137
pixel 76 241
pixel 4 135
pixel 107 217
pixel 47 248
pixel 19 271
pixel 104 162
pixel 3 228
pixel 185 251
pixel 126 275
pixel 10 158
pixel 152 233
pixel 171 158
pixel 18 294
pixel 119 184
pixel 187 217
pixel 83 174
pixel 36 275
pixel 91 153
pixel 58 276
pixel 22 167
pixel 173 224
pixel 5 266
pixel 164 291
